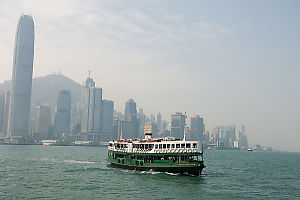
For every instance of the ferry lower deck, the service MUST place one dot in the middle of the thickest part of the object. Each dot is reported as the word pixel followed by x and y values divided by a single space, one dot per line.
pixel 184 163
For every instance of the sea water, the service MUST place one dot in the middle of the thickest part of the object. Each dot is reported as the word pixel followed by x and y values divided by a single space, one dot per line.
pixel 62 172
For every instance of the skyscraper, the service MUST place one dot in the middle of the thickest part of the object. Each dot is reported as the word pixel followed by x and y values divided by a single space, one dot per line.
pixel 62 119
pixel 22 77
pixel 107 118
pixel 177 125
pixel 130 110
pixel 159 123
pixel 130 125
pixel 91 123
pixel 142 118
pixel 43 120
pixel 197 128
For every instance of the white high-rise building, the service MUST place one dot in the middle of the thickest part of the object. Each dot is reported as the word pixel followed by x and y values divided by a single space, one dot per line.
pixel 22 77
pixel 91 108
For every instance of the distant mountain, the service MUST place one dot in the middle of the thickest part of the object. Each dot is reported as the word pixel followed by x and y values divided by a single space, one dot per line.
pixel 45 89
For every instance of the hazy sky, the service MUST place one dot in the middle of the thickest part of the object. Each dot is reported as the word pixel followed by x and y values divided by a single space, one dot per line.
pixel 232 62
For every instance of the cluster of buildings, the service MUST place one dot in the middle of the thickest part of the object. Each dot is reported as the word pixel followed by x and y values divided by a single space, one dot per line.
pixel 95 119
pixel 226 137
pixel 132 124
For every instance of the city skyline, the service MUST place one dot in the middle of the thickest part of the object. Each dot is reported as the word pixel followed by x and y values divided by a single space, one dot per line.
pixel 231 67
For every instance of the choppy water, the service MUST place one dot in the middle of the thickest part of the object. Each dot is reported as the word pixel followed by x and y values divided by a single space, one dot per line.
pixel 32 172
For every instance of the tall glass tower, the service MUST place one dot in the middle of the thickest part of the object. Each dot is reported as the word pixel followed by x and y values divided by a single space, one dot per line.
pixel 62 119
pixel 22 77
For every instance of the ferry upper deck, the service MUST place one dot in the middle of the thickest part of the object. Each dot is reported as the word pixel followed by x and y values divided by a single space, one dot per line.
pixel 159 145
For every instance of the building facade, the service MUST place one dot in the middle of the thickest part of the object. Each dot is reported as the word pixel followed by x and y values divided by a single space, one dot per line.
pixel 177 125
pixel 4 113
pixel 107 118
pixel 130 125
pixel 62 119
pixel 43 121
pixel 197 128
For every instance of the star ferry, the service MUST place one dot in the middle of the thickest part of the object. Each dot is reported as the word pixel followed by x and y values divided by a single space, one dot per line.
pixel 158 154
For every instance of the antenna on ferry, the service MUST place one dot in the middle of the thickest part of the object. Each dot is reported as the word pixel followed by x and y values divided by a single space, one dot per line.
pixel 184 132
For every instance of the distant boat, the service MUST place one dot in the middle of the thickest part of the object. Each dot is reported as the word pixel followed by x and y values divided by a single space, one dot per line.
pixel 249 149
pixel 49 142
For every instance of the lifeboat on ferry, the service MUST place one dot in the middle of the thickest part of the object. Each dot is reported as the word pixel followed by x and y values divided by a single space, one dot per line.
pixel 120 140
pixel 142 140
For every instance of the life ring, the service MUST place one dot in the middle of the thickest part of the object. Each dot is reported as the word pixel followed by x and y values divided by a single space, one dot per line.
pixel 141 163
pixel 137 162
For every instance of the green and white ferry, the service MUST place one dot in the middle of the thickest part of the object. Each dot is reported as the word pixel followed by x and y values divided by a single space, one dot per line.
pixel 158 154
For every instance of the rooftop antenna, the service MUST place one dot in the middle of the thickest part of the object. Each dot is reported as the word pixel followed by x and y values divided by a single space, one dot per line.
pixel 184 129
pixel 89 73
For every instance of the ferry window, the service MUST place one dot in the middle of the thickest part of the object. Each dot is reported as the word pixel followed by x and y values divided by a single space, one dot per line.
pixel 160 146
pixel 177 145
pixel 173 146
pixel 156 146
pixel 164 146
pixel 182 145
pixel 168 146
pixel 142 146
pixel 188 145
pixel 146 146
pixel 151 146
pixel 194 145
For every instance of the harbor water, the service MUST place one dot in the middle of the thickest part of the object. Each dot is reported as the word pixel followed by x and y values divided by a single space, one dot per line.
pixel 62 172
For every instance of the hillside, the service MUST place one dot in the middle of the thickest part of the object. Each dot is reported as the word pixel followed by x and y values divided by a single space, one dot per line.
pixel 45 89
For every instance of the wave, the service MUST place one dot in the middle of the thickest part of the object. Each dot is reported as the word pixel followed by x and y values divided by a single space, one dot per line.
pixel 150 172
pixel 172 174
pixel 69 161
pixel 79 161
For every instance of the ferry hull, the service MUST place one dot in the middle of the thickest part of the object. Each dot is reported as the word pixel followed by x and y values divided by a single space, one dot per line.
pixel 189 170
